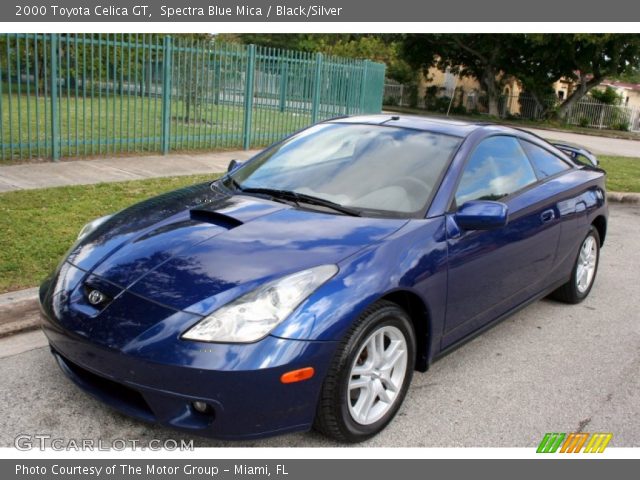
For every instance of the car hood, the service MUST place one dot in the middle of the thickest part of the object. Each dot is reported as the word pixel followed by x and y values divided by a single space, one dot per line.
pixel 188 246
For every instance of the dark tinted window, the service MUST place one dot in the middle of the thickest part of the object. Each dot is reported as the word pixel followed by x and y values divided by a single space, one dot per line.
pixel 497 168
pixel 545 163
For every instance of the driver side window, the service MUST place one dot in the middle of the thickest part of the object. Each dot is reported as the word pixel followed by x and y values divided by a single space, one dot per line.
pixel 497 168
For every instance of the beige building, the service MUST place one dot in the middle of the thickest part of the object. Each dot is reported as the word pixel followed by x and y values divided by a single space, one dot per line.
pixel 468 90
pixel 629 92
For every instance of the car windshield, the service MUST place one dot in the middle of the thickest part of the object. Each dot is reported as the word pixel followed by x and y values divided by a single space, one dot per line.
pixel 374 168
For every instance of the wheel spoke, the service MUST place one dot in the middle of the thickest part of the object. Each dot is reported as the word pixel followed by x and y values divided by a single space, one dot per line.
pixel 395 354
pixel 391 350
pixel 359 383
pixel 383 393
pixel 363 370
pixel 579 272
pixel 372 351
pixel 584 275
pixel 390 384
pixel 583 255
pixel 366 400
pixel 379 343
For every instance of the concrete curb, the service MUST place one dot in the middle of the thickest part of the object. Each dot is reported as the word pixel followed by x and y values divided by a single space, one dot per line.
pixel 18 296
pixel 623 197
pixel 19 310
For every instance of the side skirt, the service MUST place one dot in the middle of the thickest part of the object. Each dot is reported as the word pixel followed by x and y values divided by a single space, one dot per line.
pixel 497 320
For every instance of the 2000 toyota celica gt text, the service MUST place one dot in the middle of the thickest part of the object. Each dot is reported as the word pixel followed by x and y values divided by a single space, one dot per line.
pixel 304 287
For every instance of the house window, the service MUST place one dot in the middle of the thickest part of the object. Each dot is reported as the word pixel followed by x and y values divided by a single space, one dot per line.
pixel 560 94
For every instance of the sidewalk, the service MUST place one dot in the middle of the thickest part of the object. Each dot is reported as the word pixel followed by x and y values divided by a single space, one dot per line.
pixel 117 169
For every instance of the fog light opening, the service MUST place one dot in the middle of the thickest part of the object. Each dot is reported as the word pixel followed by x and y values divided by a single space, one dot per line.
pixel 202 408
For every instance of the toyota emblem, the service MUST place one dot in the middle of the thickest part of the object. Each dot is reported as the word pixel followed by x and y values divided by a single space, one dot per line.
pixel 96 298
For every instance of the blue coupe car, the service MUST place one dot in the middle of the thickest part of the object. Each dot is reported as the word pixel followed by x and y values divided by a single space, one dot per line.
pixel 304 287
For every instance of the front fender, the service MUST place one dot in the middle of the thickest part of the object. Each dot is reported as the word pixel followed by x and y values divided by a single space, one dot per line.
pixel 413 259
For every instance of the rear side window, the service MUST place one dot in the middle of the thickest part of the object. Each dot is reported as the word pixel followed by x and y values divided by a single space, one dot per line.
pixel 545 162
pixel 497 168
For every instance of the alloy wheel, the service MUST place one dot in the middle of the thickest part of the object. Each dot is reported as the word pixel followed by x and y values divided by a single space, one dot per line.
pixel 377 375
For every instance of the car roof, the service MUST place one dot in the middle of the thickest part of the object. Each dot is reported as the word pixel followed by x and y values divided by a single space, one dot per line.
pixel 458 128
pixel 446 126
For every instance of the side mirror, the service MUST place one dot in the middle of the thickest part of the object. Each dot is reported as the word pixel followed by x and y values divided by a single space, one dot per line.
pixel 233 164
pixel 482 215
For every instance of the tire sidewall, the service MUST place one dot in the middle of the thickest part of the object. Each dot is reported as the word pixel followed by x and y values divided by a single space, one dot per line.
pixel 386 317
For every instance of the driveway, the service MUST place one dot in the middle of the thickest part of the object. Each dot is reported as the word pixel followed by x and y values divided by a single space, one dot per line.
pixel 550 368
pixel 598 145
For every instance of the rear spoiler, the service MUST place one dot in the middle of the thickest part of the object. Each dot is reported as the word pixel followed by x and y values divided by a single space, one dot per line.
pixel 576 153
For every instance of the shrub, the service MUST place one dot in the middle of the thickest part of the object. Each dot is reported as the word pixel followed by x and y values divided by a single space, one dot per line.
pixel 440 104
pixel 458 110
pixel 390 101
pixel 622 126
pixel 584 122
pixel 607 96
pixel 430 96
pixel 413 95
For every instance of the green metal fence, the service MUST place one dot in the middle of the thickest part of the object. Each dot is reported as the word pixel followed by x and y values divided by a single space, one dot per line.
pixel 79 95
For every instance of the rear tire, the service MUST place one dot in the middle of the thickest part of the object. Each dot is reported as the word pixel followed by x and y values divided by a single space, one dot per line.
pixel 369 376
pixel 584 270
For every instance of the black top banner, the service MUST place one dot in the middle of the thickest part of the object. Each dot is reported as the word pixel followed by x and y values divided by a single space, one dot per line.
pixel 318 11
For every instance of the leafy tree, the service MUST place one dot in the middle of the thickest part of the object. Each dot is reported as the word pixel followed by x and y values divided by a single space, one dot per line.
pixel 537 60
pixel 608 96
pixel 379 48
pixel 304 42
pixel 591 58
pixel 538 66
pixel 484 57
pixel 376 48
pixel 631 76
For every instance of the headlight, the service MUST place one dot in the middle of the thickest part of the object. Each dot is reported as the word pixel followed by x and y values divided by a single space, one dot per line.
pixel 253 315
pixel 91 226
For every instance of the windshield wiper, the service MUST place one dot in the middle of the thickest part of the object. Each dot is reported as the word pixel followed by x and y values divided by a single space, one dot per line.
pixel 303 198
pixel 233 181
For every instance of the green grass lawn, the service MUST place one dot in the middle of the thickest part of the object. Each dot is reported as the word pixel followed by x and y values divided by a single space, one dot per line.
pixel 125 124
pixel 38 226
pixel 623 173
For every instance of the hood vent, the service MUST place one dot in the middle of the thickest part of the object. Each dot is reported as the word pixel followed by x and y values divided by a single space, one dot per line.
pixel 211 216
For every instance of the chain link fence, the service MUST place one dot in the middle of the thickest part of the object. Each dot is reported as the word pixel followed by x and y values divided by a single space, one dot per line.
pixel 81 95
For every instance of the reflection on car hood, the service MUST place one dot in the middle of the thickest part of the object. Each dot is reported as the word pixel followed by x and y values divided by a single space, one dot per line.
pixel 189 245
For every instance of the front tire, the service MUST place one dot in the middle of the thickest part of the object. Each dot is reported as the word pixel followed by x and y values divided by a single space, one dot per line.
pixel 584 270
pixel 369 376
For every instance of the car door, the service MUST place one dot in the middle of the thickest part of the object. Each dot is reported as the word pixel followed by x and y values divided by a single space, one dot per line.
pixel 491 271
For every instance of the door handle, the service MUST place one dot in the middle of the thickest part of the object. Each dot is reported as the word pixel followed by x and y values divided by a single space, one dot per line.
pixel 547 216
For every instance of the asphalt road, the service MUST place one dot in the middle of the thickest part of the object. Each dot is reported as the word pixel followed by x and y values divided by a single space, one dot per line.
pixel 549 368
pixel 598 145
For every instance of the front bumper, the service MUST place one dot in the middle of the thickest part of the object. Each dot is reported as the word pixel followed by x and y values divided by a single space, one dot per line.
pixel 240 382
